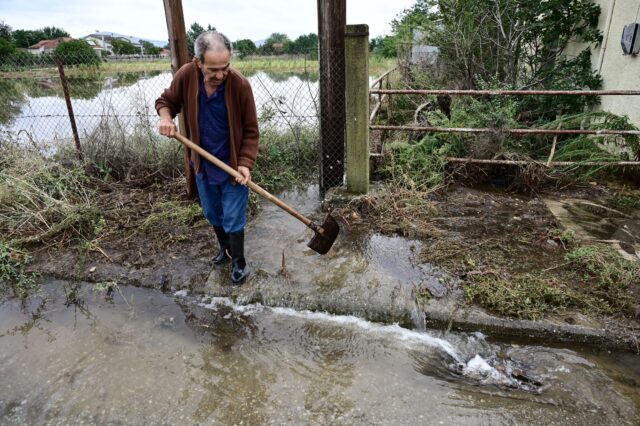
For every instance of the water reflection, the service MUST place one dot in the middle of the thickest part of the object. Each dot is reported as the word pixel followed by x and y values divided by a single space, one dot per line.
pixel 12 99
pixel 37 106
pixel 145 357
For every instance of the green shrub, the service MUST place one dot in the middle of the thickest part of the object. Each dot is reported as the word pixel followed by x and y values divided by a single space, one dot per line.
pixel 14 279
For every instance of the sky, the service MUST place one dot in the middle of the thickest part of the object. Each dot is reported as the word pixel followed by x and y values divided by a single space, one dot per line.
pixel 252 19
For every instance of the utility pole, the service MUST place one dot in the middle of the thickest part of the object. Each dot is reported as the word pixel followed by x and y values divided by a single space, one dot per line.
pixel 179 57
pixel 332 19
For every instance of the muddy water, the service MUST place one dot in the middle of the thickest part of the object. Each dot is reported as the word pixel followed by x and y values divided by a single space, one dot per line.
pixel 593 221
pixel 160 359
pixel 368 275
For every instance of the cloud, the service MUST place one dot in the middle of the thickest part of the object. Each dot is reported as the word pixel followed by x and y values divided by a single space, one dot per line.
pixel 254 19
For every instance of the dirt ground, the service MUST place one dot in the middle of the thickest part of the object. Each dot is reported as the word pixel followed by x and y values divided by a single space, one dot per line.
pixel 155 237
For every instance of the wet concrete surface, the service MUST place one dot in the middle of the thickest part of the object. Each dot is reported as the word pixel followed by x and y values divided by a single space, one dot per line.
pixel 594 221
pixel 368 275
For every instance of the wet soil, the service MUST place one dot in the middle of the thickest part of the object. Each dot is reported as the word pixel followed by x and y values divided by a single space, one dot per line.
pixel 462 233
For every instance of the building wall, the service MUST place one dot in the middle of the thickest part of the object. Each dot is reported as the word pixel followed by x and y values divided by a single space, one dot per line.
pixel 619 72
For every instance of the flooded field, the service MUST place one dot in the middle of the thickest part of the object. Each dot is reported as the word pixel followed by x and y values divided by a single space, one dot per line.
pixel 34 109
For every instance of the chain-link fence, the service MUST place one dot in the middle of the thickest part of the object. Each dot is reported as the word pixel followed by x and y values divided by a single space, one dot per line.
pixel 113 104
pixel 332 106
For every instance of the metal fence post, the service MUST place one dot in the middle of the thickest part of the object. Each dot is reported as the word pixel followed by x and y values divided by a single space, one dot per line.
pixel 67 98
pixel 357 105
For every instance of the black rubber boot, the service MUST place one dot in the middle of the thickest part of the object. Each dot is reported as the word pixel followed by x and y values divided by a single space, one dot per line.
pixel 223 240
pixel 239 270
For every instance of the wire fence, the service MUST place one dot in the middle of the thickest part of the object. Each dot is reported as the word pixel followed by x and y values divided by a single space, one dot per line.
pixel 615 139
pixel 113 99
pixel 333 126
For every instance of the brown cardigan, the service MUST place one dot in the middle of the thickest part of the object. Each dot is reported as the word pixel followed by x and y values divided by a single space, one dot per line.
pixel 182 95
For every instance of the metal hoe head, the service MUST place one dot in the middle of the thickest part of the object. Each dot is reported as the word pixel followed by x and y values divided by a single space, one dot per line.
pixel 325 235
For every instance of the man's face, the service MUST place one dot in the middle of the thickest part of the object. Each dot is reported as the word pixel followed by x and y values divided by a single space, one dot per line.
pixel 215 66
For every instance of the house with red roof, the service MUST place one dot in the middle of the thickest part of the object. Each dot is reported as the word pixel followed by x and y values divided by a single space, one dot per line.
pixel 47 46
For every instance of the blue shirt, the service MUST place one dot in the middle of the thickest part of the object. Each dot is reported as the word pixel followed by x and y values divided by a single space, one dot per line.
pixel 214 133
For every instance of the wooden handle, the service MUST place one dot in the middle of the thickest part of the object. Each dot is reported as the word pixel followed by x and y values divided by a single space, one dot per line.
pixel 254 187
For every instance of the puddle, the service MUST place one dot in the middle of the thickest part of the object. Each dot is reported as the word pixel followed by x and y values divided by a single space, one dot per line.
pixel 158 359
pixel 371 276
pixel 593 221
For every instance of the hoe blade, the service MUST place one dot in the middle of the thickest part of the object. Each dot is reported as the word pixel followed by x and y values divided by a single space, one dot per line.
pixel 325 235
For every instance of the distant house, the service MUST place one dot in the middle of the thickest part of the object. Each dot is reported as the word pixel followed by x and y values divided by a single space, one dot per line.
pixel 98 45
pixel 47 46
pixel 108 37
pixel 421 52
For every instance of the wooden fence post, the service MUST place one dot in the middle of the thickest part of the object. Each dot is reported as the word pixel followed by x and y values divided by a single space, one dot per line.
pixel 332 18
pixel 357 107
pixel 179 57
pixel 67 99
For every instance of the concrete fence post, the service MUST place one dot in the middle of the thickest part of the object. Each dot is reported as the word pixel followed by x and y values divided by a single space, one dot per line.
pixel 357 107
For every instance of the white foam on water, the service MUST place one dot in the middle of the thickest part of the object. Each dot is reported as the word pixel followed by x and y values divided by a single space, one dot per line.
pixel 215 302
pixel 181 293
pixel 395 331
pixel 479 369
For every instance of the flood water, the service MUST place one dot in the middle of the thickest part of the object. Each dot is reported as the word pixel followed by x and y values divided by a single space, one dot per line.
pixel 145 357
pixel 34 109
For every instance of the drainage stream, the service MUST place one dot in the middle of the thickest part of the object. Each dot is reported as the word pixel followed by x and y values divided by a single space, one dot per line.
pixel 147 357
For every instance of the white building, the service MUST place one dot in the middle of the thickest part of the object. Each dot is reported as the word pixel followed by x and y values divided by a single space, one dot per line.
pixel 618 71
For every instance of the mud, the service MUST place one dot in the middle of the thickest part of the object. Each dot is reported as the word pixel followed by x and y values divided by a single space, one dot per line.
pixel 371 272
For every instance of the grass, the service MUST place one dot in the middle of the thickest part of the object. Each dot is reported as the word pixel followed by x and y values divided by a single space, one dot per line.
pixel 287 159
pixel 377 66
pixel 40 198
pixel 595 280
pixel 128 187
pixel 171 214
pixel 14 279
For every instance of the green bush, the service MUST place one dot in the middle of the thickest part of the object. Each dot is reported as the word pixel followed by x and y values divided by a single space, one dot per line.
pixel 76 52
pixel 14 279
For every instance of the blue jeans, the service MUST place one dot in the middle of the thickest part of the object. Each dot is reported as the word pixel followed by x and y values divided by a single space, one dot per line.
pixel 223 205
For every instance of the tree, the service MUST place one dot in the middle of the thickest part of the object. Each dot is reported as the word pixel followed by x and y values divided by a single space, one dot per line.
pixel 509 40
pixel 27 38
pixel 7 45
pixel 192 34
pixel 386 46
pixel 123 47
pixel 245 47
pixel 76 52
pixel 149 48
pixel 7 48
pixel 275 44
pixel 50 33
pixel 5 32
pixel 307 43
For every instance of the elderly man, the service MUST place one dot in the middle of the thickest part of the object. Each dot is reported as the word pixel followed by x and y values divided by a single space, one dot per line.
pixel 220 115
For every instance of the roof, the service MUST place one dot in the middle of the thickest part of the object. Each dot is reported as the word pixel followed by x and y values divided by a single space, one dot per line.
pixel 50 44
pixel 108 35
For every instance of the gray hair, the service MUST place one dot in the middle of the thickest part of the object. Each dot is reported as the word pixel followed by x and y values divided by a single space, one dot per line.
pixel 210 41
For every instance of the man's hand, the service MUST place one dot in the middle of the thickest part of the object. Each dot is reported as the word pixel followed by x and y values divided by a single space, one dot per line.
pixel 244 171
pixel 167 126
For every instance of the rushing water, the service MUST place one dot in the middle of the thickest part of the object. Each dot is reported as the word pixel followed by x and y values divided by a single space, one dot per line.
pixel 149 358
